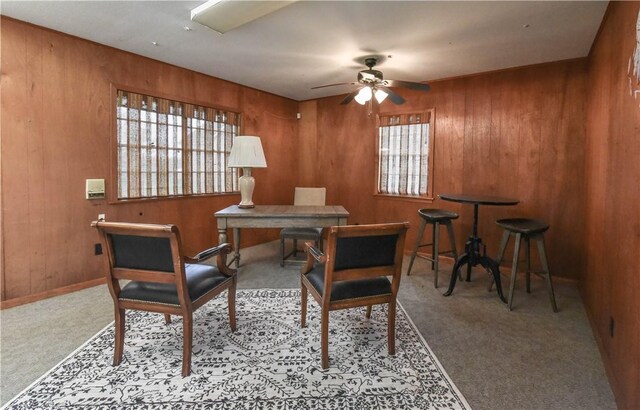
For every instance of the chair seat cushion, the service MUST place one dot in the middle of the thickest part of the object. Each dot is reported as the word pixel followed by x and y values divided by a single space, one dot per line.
pixel 301 233
pixel 201 278
pixel 349 289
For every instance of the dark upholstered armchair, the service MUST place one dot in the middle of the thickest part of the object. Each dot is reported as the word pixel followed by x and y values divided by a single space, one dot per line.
pixel 161 278
pixel 353 273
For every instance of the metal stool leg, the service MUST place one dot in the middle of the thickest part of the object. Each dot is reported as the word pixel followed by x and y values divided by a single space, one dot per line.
pixel 503 245
pixel 423 223
pixel 452 243
pixel 545 266
pixel 514 269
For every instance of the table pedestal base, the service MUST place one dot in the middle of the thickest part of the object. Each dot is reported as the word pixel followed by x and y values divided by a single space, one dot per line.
pixel 471 258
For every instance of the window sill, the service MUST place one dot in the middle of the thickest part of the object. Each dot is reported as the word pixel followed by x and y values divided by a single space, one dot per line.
pixel 407 198
pixel 168 198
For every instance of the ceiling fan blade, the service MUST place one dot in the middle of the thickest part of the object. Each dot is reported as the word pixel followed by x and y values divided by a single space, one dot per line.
pixel 408 84
pixel 395 98
pixel 329 85
pixel 350 97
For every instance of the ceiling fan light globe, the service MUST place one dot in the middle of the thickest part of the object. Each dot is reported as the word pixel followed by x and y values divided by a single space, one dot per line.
pixel 364 95
pixel 380 96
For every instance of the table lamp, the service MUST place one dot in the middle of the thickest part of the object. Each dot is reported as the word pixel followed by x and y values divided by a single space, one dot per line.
pixel 246 153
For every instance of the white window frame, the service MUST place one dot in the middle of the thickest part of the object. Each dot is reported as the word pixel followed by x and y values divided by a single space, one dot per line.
pixel 178 150
pixel 404 154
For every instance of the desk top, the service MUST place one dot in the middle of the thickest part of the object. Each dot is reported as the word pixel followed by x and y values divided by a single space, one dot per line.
pixel 280 211
pixel 479 199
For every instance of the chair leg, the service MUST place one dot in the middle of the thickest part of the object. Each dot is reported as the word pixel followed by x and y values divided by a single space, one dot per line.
pixel 282 251
pixel 514 268
pixel 452 243
pixel 167 319
pixel 303 305
pixel 545 266
pixel 435 253
pixel 503 245
pixel 119 342
pixel 231 301
pixel 423 223
pixel 324 342
pixel 391 330
pixel 368 314
pixel 187 342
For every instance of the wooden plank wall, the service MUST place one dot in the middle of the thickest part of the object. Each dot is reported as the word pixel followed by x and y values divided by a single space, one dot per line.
pixel 611 283
pixel 57 117
pixel 517 133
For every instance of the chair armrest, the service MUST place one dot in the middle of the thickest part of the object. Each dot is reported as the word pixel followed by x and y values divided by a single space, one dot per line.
pixel 221 252
pixel 208 253
pixel 313 255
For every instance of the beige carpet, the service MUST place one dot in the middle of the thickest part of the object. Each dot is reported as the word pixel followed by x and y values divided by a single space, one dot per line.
pixel 529 358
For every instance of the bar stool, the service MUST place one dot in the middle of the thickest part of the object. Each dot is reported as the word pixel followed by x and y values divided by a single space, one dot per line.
pixel 435 217
pixel 527 229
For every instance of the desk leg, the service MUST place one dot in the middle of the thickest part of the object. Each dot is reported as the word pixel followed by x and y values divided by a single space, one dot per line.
pixel 222 236
pixel 236 246
pixel 464 259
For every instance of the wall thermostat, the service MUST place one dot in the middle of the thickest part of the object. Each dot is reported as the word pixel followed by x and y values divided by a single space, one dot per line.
pixel 95 189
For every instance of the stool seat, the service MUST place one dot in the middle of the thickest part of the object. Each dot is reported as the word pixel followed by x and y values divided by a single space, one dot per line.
pixel 437 215
pixel 524 226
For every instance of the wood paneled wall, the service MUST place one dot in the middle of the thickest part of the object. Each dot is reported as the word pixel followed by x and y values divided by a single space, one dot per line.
pixel 57 119
pixel 611 284
pixel 517 133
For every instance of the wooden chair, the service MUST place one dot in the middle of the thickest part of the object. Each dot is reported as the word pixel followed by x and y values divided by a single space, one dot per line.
pixel 303 197
pixel 161 278
pixel 353 273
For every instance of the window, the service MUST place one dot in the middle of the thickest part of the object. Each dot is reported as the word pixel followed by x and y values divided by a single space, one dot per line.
pixel 169 148
pixel 405 151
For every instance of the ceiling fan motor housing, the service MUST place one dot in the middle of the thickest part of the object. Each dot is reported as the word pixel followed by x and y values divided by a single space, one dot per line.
pixel 370 76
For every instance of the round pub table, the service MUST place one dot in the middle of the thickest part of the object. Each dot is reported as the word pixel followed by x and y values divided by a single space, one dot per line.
pixel 472 256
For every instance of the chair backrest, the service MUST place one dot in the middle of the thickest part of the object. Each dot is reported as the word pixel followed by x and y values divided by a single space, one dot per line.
pixel 310 196
pixel 141 252
pixel 365 251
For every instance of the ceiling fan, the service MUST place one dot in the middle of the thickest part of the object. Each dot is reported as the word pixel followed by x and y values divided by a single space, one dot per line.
pixel 372 84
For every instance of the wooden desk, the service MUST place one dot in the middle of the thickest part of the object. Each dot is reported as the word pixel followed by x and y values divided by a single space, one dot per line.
pixel 276 216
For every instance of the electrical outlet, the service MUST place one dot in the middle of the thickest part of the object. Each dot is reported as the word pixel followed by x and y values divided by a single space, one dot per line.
pixel 98 249
pixel 102 217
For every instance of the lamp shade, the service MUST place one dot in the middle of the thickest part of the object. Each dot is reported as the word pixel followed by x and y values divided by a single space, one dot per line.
pixel 246 152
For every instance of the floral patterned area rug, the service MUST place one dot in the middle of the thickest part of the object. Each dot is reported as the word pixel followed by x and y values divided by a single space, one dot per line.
pixel 268 363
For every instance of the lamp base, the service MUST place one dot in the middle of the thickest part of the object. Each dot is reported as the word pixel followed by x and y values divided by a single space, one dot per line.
pixel 246 183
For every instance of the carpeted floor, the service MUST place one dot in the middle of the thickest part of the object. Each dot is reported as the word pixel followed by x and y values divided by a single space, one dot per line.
pixel 529 358
pixel 269 362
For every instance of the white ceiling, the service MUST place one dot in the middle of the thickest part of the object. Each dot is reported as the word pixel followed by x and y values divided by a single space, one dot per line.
pixel 311 43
